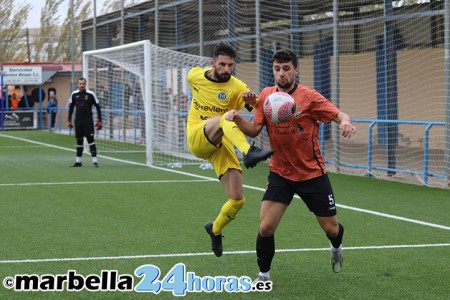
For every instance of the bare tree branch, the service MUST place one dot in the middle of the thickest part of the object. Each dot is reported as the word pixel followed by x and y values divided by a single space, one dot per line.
pixel 13 47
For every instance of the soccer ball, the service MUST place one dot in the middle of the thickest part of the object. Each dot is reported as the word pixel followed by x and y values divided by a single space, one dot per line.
pixel 279 107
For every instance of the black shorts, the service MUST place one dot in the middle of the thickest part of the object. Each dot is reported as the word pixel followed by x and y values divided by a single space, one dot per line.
pixel 316 193
pixel 84 129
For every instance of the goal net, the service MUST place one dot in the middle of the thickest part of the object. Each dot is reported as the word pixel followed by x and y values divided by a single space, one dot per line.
pixel 144 96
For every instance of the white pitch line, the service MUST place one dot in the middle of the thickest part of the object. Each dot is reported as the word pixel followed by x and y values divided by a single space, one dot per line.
pixel 36 143
pixel 393 217
pixel 171 255
pixel 19 147
pixel 245 186
pixel 372 212
pixel 111 158
pixel 98 182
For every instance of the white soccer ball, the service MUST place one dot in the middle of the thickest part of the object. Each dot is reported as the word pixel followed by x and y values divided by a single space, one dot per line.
pixel 279 107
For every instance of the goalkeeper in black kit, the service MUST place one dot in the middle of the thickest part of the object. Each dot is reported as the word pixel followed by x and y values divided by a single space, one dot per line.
pixel 83 99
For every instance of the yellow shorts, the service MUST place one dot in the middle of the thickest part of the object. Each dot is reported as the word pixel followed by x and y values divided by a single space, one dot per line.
pixel 222 156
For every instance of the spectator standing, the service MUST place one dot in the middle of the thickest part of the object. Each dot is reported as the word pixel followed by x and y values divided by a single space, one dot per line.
pixel 52 108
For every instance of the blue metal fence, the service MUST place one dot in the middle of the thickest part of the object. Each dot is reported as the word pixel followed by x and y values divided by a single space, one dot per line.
pixel 370 142
pixel 369 166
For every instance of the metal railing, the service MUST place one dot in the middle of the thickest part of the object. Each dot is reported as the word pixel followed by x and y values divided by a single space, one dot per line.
pixel 369 166
pixel 370 142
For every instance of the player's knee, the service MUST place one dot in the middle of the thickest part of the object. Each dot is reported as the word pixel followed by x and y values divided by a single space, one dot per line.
pixel 239 203
pixel 331 230
pixel 236 205
pixel 266 229
pixel 237 196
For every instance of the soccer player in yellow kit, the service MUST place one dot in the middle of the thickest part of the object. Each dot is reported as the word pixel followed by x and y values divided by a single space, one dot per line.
pixel 209 136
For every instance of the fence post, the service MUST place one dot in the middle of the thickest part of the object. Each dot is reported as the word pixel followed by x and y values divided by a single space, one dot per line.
pixel 447 88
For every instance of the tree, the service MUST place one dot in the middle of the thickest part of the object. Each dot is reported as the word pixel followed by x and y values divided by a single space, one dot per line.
pixel 115 5
pixel 54 41
pixel 13 40
pixel 63 48
pixel 44 44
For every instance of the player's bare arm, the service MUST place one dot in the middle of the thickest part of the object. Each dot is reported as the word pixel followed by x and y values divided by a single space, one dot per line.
pixel 250 98
pixel 346 128
pixel 251 129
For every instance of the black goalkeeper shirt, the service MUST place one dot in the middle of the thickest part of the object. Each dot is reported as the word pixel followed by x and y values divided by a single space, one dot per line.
pixel 84 101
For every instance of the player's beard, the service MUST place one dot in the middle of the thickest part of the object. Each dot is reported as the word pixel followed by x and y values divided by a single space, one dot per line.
pixel 284 85
pixel 221 77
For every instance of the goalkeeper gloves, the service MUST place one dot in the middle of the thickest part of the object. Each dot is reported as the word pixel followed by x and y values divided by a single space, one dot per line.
pixel 99 125
pixel 69 124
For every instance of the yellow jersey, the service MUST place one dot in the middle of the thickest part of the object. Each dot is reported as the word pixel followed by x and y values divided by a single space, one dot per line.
pixel 212 98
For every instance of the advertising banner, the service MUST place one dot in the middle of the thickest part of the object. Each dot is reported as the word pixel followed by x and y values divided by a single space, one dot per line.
pixel 22 75
pixel 20 120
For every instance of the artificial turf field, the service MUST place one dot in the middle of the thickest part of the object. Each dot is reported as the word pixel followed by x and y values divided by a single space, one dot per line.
pixel 125 215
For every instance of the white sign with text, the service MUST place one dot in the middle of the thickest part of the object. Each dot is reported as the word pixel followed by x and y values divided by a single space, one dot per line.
pixel 22 75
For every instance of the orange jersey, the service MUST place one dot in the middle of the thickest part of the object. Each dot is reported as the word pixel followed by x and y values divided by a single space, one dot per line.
pixel 297 154
pixel 14 103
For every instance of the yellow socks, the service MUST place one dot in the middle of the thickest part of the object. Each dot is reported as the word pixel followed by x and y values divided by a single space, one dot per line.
pixel 234 134
pixel 227 214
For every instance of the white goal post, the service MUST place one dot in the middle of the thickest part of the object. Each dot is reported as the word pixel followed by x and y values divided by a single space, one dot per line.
pixel 144 95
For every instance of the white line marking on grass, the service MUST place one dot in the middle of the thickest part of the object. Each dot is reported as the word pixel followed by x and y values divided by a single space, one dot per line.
pixel 372 212
pixel 245 186
pixel 170 255
pixel 98 182
pixel 21 147
pixel 393 217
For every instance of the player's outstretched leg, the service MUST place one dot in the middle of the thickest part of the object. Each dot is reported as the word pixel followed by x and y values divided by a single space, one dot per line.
pixel 216 240
pixel 255 155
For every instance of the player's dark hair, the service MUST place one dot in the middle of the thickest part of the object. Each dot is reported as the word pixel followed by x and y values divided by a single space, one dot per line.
pixel 82 79
pixel 224 49
pixel 284 56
